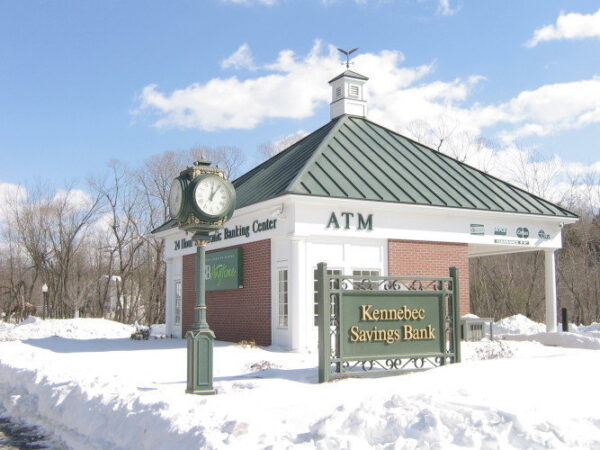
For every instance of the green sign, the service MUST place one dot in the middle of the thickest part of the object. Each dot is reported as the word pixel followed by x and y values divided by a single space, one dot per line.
pixel 523 232
pixel 224 270
pixel 389 324
pixel 543 235
pixel 500 231
pixel 477 229
pixel 385 324
pixel 350 219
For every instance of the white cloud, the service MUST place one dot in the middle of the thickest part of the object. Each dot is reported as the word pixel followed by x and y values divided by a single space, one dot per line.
pixel 546 110
pixel 550 109
pixel 10 193
pixel 293 88
pixel 568 26
pixel 240 59
pixel 75 198
pixel 445 9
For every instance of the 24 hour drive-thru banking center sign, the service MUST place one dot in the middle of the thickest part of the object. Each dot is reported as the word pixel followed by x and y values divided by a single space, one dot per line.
pixel 372 205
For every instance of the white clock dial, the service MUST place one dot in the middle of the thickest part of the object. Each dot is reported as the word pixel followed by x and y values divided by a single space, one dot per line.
pixel 212 196
pixel 175 198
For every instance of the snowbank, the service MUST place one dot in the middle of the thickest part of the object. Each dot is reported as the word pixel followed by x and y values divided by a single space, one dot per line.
pixel 520 328
pixel 36 328
pixel 517 324
pixel 562 339
pixel 121 394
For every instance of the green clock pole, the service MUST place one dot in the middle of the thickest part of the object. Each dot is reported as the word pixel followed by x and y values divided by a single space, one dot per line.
pixel 201 200
pixel 200 338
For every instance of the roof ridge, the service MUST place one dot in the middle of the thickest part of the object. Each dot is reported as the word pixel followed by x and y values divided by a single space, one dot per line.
pixel 464 164
pixel 281 154
pixel 318 151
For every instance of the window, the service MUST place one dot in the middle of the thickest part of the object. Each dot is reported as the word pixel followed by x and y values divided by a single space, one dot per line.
pixel 361 275
pixel 338 92
pixel 354 91
pixel 335 284
pixel 177 302
pixel 283 298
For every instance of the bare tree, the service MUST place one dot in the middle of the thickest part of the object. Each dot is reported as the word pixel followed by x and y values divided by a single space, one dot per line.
pixel 229 158
pixel 269 149
pixel 534 174
pixel 447 135
pixel 50 226
pixel 124 235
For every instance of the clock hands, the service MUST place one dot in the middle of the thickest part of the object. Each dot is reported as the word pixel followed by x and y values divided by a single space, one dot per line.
pixel 212 193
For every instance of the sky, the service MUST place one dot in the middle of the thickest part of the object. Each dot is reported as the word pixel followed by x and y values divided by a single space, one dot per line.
pixel 82 83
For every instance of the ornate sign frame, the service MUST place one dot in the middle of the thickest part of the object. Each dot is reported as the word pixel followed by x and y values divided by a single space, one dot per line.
pixel 373 325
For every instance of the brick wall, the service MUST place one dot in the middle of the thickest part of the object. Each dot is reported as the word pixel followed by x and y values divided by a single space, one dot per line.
pixel 408 258
pixel 236 314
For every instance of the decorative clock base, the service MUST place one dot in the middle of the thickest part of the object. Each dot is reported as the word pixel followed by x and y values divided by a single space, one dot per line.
pixel 200 362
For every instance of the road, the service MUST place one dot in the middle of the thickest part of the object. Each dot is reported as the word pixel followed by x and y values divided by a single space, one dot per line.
pixel 18 436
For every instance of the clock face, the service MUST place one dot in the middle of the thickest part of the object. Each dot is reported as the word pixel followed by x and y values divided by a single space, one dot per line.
pixel 212 196
pixel 175 198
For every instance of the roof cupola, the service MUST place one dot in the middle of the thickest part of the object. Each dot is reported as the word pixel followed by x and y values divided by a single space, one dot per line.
pixel 348 94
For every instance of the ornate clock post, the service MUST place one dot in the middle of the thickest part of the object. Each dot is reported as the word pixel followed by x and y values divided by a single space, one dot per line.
pixel 201 200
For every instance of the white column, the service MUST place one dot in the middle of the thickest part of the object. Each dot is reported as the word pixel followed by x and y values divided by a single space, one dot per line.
pixel 550 280
pixel 169 300
pixel 296 294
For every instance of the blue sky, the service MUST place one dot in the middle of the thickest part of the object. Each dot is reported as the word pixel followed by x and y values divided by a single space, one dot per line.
pixel 84 82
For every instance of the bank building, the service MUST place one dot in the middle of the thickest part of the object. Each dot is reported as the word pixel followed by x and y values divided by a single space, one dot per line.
pixel 365 200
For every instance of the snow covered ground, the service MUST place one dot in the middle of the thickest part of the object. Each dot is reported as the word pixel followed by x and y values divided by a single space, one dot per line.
pixel 92 387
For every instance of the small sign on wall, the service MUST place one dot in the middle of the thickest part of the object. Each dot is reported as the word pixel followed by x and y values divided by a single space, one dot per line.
pixel 477 229
pixel 224 270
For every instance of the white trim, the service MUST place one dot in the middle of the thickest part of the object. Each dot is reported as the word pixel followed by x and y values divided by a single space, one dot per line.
pixel 550 289
pixel 424 209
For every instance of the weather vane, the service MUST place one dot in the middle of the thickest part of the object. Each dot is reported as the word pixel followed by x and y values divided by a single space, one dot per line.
pixel 347 53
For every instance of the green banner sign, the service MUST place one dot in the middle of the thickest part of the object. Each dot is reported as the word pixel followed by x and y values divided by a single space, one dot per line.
pixel 224 270
pixel 388 324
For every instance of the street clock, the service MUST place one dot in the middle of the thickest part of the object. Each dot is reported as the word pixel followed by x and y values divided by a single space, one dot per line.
pixel 201 200
pixel 213 197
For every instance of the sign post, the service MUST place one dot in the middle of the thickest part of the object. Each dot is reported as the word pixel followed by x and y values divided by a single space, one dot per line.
pixel 201 200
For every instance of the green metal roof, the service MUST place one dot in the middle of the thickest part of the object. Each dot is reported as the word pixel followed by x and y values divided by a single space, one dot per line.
pixel 172 223
pixel 354 158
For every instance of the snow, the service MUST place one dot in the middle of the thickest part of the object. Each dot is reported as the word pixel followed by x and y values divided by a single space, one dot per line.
pixel 36 328
pixel 470 316
pixel 94 388
pixel 517 324
pixel 573 340
pixel 158 330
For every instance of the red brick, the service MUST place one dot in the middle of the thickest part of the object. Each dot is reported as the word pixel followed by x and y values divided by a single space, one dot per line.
pixel 418 258
pixel 236 314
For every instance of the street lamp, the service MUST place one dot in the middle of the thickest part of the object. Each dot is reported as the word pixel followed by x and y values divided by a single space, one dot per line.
pixel 45 295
